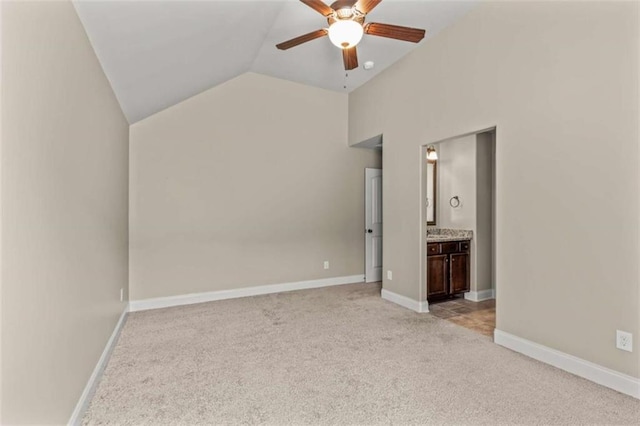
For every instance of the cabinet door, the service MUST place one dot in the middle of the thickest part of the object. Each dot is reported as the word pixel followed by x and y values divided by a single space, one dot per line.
pixel 459 272
pixel 437 275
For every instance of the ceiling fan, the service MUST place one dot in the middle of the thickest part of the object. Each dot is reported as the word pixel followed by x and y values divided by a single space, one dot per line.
pixel 346 28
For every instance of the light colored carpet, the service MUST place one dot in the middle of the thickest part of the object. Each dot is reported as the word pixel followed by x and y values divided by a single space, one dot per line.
pixel 338 355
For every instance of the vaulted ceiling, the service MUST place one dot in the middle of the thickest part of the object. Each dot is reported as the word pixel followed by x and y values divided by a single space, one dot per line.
pixel 159 53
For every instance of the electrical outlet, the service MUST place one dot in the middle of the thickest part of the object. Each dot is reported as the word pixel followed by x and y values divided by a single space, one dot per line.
pixel 624 341
pixel 326 264
pixel 389 275
pixel 122 294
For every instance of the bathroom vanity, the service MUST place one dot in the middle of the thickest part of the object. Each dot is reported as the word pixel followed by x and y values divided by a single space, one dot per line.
pixel 448 262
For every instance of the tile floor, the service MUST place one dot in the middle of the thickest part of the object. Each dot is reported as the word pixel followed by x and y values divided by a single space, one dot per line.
pixel 477 316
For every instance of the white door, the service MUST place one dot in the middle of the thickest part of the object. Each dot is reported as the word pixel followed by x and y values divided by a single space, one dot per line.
pixel 373 225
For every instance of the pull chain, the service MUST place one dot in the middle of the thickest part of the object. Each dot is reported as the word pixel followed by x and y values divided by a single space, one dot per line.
pixel 346 76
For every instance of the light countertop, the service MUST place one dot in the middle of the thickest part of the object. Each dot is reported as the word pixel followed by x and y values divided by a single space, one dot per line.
pixel 439 235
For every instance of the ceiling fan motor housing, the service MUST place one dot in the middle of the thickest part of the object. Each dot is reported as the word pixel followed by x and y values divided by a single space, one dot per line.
pixel 343 4
pixel 347 12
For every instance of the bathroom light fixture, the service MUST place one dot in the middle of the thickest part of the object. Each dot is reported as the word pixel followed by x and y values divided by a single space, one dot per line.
pixel 345 33
pixel 432 154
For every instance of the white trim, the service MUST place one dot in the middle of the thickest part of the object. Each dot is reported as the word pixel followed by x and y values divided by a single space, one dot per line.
pixel 90 388
pixel 479 296
pixel 189 299
pixel 596 373
pixel 405 302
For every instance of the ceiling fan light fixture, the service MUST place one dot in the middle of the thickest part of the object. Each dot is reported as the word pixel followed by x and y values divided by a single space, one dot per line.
pixel 345 33
pixel 346 19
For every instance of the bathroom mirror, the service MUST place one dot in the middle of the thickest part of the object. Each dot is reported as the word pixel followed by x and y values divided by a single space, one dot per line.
pixel 431 192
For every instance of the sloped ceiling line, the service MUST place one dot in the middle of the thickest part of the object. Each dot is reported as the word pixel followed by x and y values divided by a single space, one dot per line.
pixel 159 53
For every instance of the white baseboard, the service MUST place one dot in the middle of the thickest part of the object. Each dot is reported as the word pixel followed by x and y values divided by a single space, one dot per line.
pixel 479 296
pixel 404 301
pixel 189 299
pixel 90 388
pixel 588 370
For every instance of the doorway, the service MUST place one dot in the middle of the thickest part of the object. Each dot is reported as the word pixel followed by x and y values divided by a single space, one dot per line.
pixel 373 214
pixel 458 225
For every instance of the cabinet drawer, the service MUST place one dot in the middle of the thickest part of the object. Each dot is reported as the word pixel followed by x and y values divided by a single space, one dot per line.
pixel 433 248
pixel 464 246
pixel 449 247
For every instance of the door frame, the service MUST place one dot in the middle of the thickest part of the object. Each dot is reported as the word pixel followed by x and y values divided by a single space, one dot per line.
pixel 422 251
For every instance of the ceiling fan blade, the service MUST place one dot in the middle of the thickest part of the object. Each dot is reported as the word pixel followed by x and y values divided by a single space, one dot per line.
pixel 318 6
pixel 413 35
pixel 366 6
pixel 350 58
pixel 302 39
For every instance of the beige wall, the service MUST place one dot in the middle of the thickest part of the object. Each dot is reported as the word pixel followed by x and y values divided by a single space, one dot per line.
pixel 1 213
pixel 465 169
pixel 560 82
pixel 457 177
pixel 484 210
pixel 64 211
pixel 249 183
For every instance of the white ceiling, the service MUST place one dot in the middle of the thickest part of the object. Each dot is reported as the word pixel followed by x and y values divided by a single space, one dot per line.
pixel 159 53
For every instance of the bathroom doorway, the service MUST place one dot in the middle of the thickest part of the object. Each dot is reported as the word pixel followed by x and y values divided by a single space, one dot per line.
pixel 458 197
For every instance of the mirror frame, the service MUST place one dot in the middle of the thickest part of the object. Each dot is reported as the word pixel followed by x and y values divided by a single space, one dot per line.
pixel 435 191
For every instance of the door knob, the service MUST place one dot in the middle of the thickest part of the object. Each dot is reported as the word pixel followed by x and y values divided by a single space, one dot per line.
pixel 369 231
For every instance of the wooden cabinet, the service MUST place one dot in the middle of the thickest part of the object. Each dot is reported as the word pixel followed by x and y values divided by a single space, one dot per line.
pixel 458 273
pixel 437 272
pixel 448 269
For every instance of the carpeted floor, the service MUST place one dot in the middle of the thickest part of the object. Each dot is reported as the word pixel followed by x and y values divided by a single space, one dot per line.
pixel 338 355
